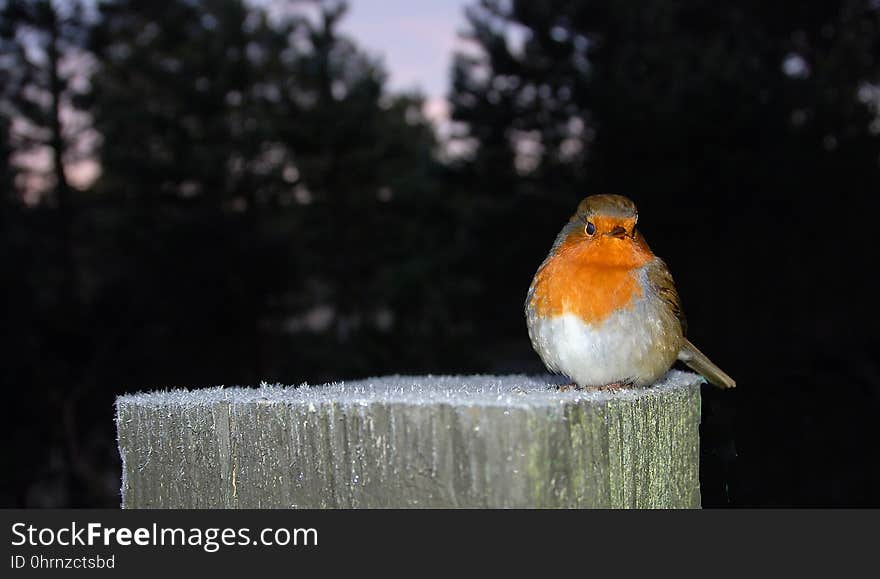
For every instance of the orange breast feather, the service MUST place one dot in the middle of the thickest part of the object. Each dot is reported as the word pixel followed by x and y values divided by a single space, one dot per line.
pixel 590 278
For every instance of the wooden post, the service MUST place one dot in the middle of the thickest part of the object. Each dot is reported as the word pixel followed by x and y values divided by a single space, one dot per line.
pixel 413 441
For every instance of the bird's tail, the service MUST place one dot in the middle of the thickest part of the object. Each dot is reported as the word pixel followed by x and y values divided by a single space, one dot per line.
pixel 697 361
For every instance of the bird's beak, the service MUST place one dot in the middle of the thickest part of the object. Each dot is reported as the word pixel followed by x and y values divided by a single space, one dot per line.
pixel 618 232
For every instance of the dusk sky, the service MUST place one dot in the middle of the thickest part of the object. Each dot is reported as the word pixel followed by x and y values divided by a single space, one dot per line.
pixel 416 41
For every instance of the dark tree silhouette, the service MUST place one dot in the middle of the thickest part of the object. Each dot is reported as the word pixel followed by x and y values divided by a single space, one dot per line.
pixel 7 171
pixel 40 40
pixel 42 45
pixel 267 210
pixel 742 130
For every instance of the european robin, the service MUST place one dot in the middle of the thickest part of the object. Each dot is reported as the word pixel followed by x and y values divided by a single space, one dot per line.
pixel 603 309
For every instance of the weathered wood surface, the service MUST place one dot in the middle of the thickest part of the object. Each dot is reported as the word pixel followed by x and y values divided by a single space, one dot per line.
pixel 413 441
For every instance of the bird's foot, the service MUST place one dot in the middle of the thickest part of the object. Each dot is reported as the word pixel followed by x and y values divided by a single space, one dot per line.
pixel 567 387
pixel 614 386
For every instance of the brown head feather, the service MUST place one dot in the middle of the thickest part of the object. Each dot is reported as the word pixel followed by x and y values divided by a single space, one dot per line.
pixel 607 205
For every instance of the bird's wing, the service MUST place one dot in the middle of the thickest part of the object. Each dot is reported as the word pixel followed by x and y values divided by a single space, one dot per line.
pixel 663 285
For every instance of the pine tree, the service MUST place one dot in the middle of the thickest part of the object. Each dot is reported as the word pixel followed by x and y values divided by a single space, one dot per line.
pixel 245 143
pixel 43 59
pixel 364 157
pixel 180 98
pixel 7 171
pixel 40 41
pixel 513 90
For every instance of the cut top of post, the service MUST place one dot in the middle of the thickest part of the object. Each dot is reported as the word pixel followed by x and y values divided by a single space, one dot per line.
pixel 517 391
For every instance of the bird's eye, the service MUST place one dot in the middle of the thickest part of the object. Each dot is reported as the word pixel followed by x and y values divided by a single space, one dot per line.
pixel 590 229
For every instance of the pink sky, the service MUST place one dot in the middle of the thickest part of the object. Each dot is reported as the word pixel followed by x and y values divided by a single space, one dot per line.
pixel 415 40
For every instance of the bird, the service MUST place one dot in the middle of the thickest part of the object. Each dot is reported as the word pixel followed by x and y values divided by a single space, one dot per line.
pixel 603 310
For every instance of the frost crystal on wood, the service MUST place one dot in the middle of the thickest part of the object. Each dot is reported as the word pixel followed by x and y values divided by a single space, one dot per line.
pixel 413 441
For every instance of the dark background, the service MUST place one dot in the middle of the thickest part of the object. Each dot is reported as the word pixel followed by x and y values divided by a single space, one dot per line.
pixel 268 210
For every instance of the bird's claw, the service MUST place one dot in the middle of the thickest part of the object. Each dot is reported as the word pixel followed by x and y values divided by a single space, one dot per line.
pixel 567 387
pixel 614 386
